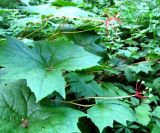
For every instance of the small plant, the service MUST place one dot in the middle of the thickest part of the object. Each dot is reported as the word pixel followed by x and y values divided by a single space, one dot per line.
pixel 72 66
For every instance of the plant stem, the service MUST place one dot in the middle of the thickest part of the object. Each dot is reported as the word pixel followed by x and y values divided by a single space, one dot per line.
pixel 90 105
pixel 39 29
pixel 70 32
pixel 73 103
pixel 58 30
pixel 73 17
pixel 106 98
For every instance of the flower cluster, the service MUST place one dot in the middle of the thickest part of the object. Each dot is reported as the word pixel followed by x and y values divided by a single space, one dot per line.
pixel 112 20
pixel 139 91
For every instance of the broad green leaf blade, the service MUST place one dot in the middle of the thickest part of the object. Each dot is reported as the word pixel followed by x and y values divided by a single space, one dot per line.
pixel 156 129
pixel 156 83
pixel 84 84
pixel 45 83
pixel 25 2
pixel 19 112
pixel 69 11
pixel 41 66
pixel 104 114
pixel 64 55
pixel 61 3
pixel 88 40
pixel 145 67
pixel 156 112
pixel 25 63
pixel 142 114
pixel 111 90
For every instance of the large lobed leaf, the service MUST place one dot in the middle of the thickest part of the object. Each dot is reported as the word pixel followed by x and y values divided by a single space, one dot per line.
pixel 19 113
pixel 42 65
pixel 69 11
pixel 105 113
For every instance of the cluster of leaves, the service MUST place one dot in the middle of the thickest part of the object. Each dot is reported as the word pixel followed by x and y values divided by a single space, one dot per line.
pixel 73 66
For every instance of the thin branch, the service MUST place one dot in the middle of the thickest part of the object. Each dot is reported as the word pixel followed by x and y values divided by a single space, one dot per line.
pixel 66 18
pixel 137 86
pixel 58 30
pixel 39 29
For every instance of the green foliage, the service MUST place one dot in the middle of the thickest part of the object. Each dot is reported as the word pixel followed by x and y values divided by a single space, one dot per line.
pixel 79 66
pixel 143 112
pixel 9 4
pixel 156 129
pixel 44 64
pixel 110 111
pixel 156 112
pixel 21 113
pixel 63 3
pixel 84 85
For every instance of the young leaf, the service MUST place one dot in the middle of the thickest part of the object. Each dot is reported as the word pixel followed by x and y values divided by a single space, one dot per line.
pixel 42 65
pixel 142 114
pixel 20 113
pixel 103 114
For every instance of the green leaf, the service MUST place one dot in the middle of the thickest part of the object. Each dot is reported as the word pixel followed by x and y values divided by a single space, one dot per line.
pixel 156 112
pixel 25 2
pixel 142 67
pixel 103 114
pixel 142 114
pixel 63 3
pixel 42 65
pixel 130 75
pixel 156 129
pixel 156 83
pixel 126 53
pixel 88 40
pixel 8 3
pixel 20 113
pixel 84 85
pixel 59 12
pixel 158 31
pixel 22 22
pixel 112 90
